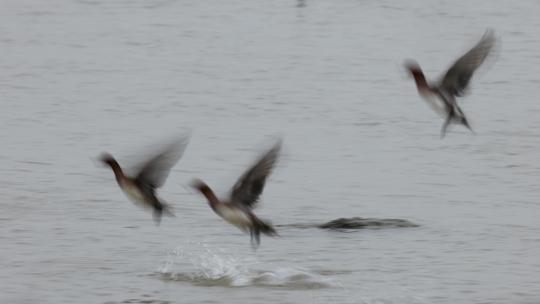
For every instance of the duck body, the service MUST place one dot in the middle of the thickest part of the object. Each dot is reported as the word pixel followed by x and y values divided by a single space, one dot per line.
pixel 135 194
pixel 441 96
pixel 432 98
pixel 141 189
pixel 237 210
pixel 438 99
pixel 236 216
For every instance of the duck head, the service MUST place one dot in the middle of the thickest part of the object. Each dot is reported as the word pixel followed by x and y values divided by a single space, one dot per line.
pixel 202 187
pixel 107 159
pixel 416 72
pixel 413 67
pixel 199 185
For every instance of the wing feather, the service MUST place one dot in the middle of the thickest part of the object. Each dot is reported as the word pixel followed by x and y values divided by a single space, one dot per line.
pixel 155 170
pixel 249 187
pixel 458 76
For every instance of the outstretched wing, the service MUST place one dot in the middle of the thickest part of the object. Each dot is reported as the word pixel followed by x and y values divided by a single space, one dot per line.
pixel 155 170
pixel 457 78
pixel 249 187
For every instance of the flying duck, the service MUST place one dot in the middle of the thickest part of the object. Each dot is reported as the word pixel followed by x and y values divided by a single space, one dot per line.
pixel 237 209
pixel 141 187
pixel 441 96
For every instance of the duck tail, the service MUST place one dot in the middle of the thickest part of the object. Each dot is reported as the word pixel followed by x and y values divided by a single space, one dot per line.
pixel 160 210
pixel 265 228
pixel 258 228
pixel 167 210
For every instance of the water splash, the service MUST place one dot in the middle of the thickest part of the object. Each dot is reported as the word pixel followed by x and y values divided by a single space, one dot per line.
pixel 204 265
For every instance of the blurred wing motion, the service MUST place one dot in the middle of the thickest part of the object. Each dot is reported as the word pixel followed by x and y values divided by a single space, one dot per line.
pixel 457 78
pixel 155 171
pixel 249 187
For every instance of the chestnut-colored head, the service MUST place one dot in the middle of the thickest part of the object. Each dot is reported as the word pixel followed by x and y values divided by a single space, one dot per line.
pixel 199 185
pixel 413 67
pixel 418 75
pixel 206 191
pixel 107 159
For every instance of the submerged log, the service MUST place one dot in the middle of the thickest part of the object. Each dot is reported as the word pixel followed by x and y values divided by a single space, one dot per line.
pixel 359 223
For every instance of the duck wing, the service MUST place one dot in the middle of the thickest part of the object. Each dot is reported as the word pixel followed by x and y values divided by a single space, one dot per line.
pixel 249 187
pixel 457 78
pixel 155 170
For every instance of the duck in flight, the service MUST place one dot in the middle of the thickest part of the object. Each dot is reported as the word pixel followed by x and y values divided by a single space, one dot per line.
pixel 237 209
pixel 141 187
pixel 441 96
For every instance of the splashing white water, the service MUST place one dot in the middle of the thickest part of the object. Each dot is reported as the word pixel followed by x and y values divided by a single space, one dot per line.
pixel 202 264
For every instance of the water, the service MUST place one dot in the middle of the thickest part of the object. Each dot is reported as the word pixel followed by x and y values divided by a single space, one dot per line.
pixel 82 77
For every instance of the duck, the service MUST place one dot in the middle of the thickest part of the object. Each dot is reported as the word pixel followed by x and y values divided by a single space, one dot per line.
pixel 441 96
pixel 237 210
pixel 141 187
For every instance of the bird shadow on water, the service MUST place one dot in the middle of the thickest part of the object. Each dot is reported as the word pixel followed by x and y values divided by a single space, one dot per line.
pixel 200 264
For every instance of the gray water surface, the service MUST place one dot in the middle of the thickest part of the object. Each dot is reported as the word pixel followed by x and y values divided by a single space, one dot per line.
pixel 81 77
